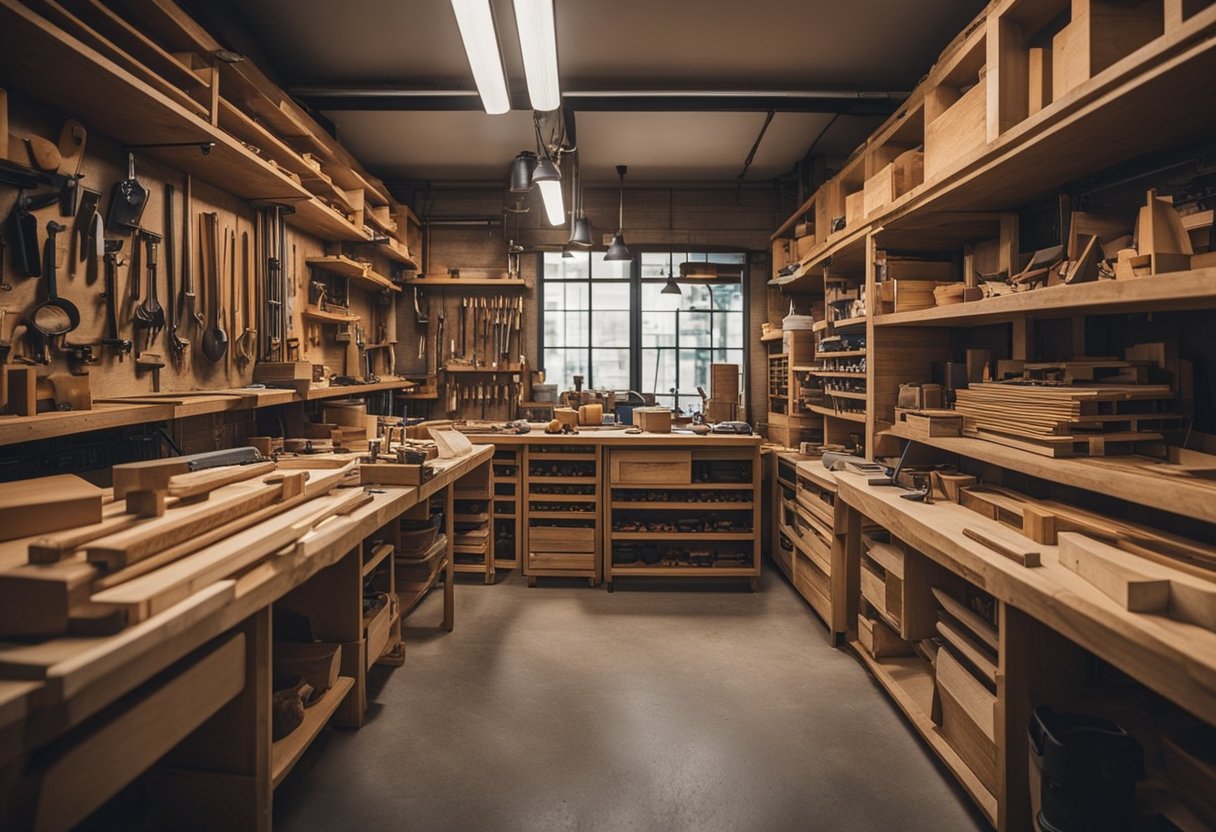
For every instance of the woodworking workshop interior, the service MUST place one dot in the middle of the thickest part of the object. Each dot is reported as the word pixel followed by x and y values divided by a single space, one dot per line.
pixel 528 415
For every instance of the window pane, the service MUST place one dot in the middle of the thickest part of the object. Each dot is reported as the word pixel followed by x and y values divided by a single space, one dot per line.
pixel 694 329
pixel 654 299
pixel 608 296
pixel 611 329
pixel 610 368
pixel 566 295
pixel 562 365
pixel 695 296
pixel 567 268
pixel 655 264
pixel 728 297
pixel 602 269
pixel 658 329
pixel 694 370
pixel 658 370
pixel 566 329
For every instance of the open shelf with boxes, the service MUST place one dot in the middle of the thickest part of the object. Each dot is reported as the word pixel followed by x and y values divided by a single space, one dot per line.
pixel 691 512
pixel 507 521
pixel 473 543
pixel 565 546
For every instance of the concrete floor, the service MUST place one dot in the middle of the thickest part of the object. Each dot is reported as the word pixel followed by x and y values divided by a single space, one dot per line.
pixel 567 708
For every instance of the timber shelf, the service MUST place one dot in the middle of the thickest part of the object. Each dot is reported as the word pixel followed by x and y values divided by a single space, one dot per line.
pixel 772 335
pixel 644 571
pixel 696 536
pixel 325 317
pixel 340 390
pixel 821 356
pixel 285 753
pixel 1166 83
pixel 396 254
pixel 829 373
pixel 468 282
pixel 315 217
pixel 701 505
pixel 1195 289
pixel 353 269
pixel 846 394
pixel 850 323
pixel 15 429
pixel 838 414
pixel 1126 478
pixel 909 681
pixel 51 65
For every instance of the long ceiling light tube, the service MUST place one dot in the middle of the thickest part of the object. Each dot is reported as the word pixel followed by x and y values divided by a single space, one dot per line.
pixel 476 21
pixel 538 45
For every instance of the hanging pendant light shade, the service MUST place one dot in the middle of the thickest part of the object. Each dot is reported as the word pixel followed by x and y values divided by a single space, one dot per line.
pixel 521 172
pixel 580 228
pixel 671 287
pixel 567 254
pixel 617 250
pixel 548 178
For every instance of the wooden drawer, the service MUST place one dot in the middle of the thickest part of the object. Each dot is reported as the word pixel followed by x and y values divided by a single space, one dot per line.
pixel 816 541
pixel 813 585
pixel 94 764
pixel 560 539
pixel 783 555
pixel 572 561
pixel 874 587
pixel 652 467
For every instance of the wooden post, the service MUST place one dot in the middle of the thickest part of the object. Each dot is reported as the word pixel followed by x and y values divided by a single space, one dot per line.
pixel 449 581
pixel 1008 75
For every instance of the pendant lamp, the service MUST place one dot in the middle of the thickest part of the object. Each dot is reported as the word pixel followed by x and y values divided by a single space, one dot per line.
pixel 617 250
pixel 580 229
pixel 521 172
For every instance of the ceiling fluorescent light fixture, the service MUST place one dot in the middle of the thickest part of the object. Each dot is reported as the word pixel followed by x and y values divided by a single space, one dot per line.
pixel 476 21
pixel 549 179
pixel 538 44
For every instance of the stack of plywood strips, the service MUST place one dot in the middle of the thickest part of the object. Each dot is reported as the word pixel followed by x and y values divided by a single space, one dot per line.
pixel 1059 419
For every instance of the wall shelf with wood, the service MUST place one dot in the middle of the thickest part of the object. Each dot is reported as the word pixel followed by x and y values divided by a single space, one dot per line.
pixel 444 281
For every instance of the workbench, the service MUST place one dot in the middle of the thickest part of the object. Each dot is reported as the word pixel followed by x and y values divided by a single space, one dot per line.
pixel 605 504
pixel 1047 619
pixel 194 683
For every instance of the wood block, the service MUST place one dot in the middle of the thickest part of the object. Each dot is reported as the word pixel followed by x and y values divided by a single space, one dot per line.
pixel 951 485
pixel 976 625
pixel 1039 71
pixel 37 599
pixel 1039 524
pixel 1133 589
pixel 389 473
pixel 200 483
pixel 47 504
pixel 1007 546
pixel 22 390
pixel 968 648
pixel 879 640
pixel 146 503
pixel 968 717
pixel 591 414
pixel 854 208
pixel 71 391
pixel 956 133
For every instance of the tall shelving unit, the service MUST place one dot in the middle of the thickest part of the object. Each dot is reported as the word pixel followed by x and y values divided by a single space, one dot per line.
pixel 562 486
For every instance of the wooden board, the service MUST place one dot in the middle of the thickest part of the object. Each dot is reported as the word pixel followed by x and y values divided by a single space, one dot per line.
pixel 1131 588
pixel 47 504
pixel 973 621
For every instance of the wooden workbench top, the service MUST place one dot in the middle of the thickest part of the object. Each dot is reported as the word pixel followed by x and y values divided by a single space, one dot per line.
pixel 616 438
pixel 33 712
pixel 1175 658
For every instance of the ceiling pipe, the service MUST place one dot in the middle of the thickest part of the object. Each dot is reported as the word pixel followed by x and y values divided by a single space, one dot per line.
pixel 850 102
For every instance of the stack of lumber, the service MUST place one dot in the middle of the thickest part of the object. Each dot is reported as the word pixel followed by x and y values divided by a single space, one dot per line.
pixel 1042 521
pixel 1056 418
pixel 136 557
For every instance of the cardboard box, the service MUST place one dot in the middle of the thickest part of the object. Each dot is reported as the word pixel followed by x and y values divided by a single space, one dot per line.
pixel 653 419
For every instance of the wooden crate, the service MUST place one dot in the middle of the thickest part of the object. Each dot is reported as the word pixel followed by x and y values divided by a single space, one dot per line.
pixel 652 419
pixel 651 467
pixel 561 539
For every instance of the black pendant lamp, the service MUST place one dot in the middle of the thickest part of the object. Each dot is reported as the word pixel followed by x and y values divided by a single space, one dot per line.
pixel 521 172
pixel 617 249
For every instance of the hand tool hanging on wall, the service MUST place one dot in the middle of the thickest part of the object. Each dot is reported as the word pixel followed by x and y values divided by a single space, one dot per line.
pixel 215 339
pixel 149 315
pixel 72 140
pixel 120 346
pixel 439 336
pixel 5 286
pixel 176 341
pixel 188 290
pixel 80 249
pixel 127 201
pixel 23 233
pixel 230 244
pixel 244 344
pixel 56 315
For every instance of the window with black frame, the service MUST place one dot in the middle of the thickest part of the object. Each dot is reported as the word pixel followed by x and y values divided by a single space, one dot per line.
pixel 612 323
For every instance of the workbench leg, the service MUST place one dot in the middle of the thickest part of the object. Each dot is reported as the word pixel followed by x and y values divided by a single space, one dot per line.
pixel 1036 666
pixel 449 581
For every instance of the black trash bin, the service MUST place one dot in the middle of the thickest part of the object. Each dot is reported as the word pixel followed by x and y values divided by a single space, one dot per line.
pixel 1088 769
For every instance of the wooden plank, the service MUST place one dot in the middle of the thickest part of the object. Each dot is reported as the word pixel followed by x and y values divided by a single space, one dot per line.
pixel 179 526
pixel 976 700
pixel 145 596
pixel 94 768
pixel 968 648
pixel 37 599
pixel 285 753
pixel 976 624
pixel 1132 589
pixel 1007 546
pixel 47 504
pixel 204 482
